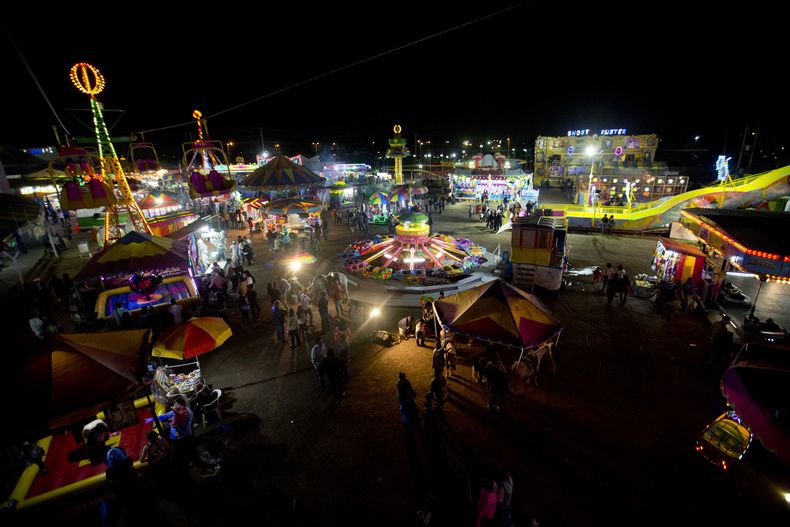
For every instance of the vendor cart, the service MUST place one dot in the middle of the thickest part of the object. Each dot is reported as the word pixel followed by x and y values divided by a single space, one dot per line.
pixel 173 380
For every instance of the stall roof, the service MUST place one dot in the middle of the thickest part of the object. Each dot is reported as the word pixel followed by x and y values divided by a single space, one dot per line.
pixel 185 231
pixel 681 247
pixel 759 230
pixel 499 312
pixel 136 252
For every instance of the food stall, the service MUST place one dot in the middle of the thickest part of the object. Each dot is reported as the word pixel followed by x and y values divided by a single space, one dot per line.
pixel 180 346
pixel 675 261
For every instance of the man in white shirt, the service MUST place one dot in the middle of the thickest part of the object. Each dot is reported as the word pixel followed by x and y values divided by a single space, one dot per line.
pixel 176 310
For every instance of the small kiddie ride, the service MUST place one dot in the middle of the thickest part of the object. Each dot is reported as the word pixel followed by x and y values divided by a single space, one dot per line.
pixel 725 440
pixel 767 330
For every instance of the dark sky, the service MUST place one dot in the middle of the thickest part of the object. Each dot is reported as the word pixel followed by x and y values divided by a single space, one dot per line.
pixel 541 68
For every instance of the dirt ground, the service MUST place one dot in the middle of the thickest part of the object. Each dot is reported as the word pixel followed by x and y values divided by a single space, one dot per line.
pixel 606 440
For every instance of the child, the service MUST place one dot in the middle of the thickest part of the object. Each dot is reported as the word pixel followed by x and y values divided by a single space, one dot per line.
pixel 597 276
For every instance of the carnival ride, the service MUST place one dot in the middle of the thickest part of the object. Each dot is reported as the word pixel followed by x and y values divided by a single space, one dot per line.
pixel 89 80
pixel 143 159
pixel 398 151
pixel 201 160
pixel 658 215
pixel 439 255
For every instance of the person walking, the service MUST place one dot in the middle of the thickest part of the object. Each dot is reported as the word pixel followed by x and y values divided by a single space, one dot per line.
pixel 608 275
pixel 504 481
pixel 438 360
pixel 325 229
pixel 278 319
pixel 304 306
pixel 293 329
pixel 721 342
pixel 252 300
pixel 604 224
pixel 625 288
pixel 323 311
pixel 497 383
pixel 612 288
pixel 410 414
pixel 317 356
pixel 333 371
pixel 486 503
pixel 336 292
pixel 244 308
pixel 610 224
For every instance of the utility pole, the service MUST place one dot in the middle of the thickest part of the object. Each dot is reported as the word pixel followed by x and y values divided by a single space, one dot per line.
pixel 743 143
pixel 754 147
pixel 263 148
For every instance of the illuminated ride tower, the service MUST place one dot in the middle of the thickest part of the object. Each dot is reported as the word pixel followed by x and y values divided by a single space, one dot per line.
pixel 398 151
pixel 89 80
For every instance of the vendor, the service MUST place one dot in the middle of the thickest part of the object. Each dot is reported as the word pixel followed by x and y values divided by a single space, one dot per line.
pixel 181 418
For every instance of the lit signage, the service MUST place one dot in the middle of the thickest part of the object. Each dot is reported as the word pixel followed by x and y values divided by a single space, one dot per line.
pixel 723 168
pixel 613 131
pixel 577 133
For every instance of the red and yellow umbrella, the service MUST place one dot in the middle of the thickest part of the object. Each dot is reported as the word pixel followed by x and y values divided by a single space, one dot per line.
pixel 192 338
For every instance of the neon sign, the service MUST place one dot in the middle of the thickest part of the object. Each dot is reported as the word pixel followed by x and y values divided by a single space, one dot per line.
pixel 578 133
pixel 613 131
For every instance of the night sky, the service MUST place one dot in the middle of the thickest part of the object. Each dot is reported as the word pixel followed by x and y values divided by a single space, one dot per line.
pixel 540 68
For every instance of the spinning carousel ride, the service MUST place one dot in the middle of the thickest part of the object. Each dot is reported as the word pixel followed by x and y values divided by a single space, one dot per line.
pixel 414 251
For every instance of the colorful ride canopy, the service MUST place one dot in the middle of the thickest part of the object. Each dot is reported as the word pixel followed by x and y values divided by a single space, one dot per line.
pixel 137 252
pixel 80 375
pixel 281 171
pixel 283 207
pixel 192 338
pixel 756 385
pixel 500 313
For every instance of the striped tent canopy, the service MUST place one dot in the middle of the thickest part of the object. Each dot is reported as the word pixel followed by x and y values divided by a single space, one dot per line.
pixel 281 171
pixel 81 374
pixel 406 190
pixel 137 252
pixel 157 199
pixel 379 198
pixel 192 338
pixel 500 313
pixel 255 202
pixel 283 207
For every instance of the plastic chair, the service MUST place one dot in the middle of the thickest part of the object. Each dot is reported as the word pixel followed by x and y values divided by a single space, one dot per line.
pixel 84 249
pixel 213 407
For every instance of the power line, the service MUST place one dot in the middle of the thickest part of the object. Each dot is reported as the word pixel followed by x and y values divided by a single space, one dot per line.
pixel 35 80
pixel 345 67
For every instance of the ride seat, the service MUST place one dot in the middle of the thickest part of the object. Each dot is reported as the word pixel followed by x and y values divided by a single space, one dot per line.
pixel 212 408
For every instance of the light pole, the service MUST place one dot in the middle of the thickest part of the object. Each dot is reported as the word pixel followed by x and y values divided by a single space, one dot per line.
pixel 591 151
pixel 230 144
pixel 315 146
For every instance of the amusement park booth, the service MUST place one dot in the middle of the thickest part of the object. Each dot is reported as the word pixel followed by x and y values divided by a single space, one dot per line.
pixel 539 247
pixel 126 267
pixel 676 261
pixel 752 250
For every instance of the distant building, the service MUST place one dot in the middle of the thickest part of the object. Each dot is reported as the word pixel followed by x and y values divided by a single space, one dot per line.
pixel 620 160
